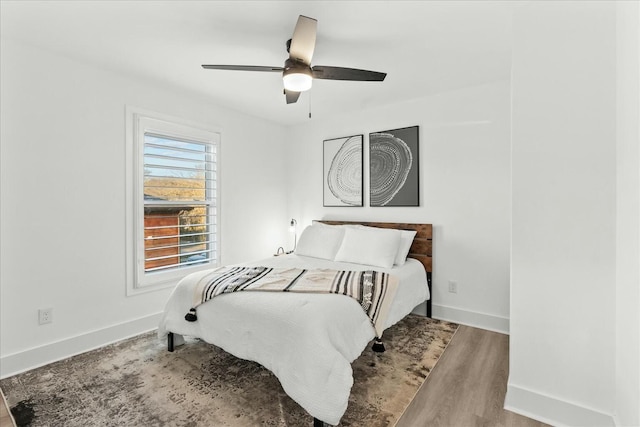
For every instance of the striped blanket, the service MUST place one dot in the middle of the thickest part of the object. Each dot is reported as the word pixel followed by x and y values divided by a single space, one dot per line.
pixel 373 290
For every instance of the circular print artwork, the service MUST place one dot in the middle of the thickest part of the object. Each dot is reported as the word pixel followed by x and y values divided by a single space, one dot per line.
pixel 390 161
pixel 345 174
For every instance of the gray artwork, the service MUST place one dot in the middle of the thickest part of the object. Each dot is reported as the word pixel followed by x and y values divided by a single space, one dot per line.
pixel 343 171
pixel 393 167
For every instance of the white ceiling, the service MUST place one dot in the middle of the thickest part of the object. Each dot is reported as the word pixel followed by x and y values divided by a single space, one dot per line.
pixel 425 46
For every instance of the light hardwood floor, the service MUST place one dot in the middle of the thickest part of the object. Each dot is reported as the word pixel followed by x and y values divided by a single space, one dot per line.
pixel 465 389
pixel 467 386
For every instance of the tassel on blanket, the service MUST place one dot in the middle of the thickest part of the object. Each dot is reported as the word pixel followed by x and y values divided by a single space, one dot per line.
pixel 191 316
pixel 378 346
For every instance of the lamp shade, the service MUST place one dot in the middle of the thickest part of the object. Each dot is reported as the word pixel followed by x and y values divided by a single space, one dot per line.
pixel 297 79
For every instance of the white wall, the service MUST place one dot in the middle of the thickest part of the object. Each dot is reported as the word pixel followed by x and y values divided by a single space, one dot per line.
pixel 62 204
pixel 627 408
pixel 563 269
pixel 62 219
pixel 464 191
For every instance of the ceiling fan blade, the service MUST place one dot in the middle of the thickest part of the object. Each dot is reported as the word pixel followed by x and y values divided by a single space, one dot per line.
pixel 242 68
pixel 340 73
pixel 303 41
pixel 292 96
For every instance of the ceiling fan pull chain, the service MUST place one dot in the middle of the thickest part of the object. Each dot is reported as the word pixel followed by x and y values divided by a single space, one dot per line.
pixel 309 104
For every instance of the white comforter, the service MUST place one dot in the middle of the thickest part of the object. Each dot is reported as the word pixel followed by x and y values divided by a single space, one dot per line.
pixel 307 340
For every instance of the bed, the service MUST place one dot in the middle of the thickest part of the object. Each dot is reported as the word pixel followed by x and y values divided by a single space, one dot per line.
pixel 307 340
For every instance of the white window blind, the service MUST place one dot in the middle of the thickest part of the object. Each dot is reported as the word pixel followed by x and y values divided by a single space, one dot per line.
pixel 179 202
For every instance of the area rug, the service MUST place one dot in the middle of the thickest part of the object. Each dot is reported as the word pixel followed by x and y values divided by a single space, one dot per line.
pixel 137 382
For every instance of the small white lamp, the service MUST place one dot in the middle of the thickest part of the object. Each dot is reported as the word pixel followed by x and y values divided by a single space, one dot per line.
pixel 292 228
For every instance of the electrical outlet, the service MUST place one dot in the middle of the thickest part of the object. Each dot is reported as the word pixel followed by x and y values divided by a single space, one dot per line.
pixel 453 287
pixel 45 315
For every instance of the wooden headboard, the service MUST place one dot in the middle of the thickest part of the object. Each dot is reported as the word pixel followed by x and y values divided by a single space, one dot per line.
pixel 421 248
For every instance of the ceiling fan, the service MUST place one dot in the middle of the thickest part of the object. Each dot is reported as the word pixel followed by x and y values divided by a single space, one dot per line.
pixel 297 73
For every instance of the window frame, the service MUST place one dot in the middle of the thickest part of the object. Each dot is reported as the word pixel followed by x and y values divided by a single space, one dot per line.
pixel 138 123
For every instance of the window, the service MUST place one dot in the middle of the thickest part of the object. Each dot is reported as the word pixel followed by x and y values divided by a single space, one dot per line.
pixel 174 209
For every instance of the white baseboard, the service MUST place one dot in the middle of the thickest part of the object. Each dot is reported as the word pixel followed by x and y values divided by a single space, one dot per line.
pixel 25 360
pixel 553 411
pixel 486 321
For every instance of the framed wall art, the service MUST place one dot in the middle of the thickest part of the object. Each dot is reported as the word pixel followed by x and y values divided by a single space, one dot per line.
pixel 393 168
pixel 342 171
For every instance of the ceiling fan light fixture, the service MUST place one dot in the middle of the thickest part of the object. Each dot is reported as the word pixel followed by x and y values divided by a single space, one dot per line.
pixel 297 73
pixel 297 79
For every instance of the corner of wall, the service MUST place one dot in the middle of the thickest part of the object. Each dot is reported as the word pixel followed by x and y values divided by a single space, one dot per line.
pixel 552 410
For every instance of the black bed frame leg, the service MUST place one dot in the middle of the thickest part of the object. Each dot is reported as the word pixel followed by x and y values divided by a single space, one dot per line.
pixel 430 295
pixel 170 341
pixel 378 346
pixel 317 422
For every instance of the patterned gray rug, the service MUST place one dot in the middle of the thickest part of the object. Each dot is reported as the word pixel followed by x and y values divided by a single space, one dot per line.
pixel 137 382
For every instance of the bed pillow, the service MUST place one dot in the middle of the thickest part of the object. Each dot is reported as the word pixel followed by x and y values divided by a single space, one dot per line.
pixel 406 239
pixel 363 245
pixel 322 224
pixel 320 241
